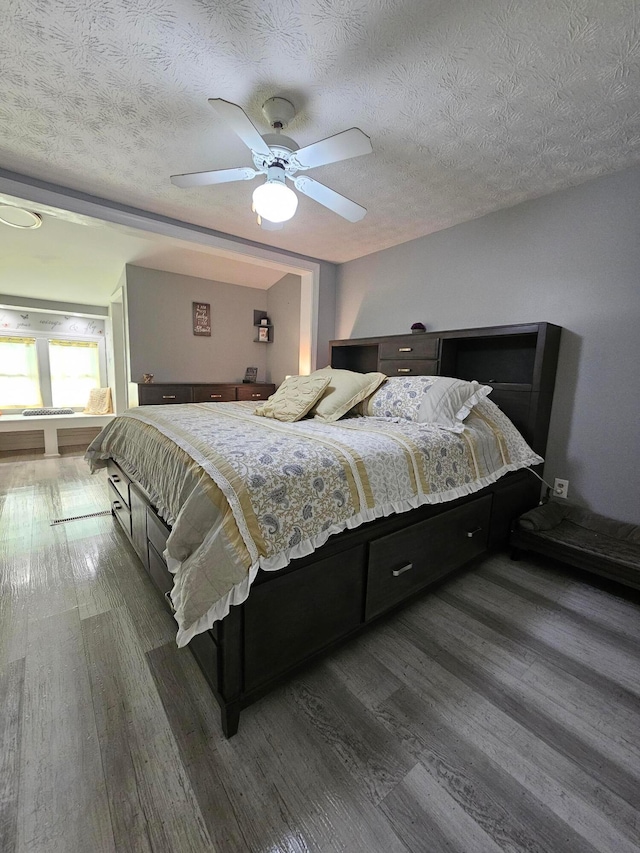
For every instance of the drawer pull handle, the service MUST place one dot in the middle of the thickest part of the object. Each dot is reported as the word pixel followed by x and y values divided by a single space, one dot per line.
pixel 167 596
pixel 256 395
pixel 215 396
pixel 405 349
pixel 404 370
pixel 169 397
pixel 116 505
pixel 472 533
pixel 115 478
pixel 397 572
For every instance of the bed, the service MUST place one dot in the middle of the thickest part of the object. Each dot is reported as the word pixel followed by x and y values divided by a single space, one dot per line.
pixel 273 541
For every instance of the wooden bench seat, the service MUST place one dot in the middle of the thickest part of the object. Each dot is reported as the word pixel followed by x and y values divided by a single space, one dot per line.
pixel 49 426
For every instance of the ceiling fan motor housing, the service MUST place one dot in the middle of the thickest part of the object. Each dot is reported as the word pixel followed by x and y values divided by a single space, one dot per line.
pixel 281 155
pixel 279 140
pixel 276 172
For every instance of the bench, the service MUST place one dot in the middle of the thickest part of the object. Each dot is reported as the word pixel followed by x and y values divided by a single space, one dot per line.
pixel 50 424
pixel 580 538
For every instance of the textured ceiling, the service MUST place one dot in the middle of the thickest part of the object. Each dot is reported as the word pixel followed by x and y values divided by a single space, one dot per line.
pixel 471 105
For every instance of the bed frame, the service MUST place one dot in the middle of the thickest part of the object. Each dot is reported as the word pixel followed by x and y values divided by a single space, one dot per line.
pixel 300 612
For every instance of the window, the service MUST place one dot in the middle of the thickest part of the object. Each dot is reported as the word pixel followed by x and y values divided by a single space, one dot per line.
pixel 19 380
pixel 74 367
pixel 40 371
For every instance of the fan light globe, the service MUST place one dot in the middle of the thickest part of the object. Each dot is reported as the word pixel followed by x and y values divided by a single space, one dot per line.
pixel 273 200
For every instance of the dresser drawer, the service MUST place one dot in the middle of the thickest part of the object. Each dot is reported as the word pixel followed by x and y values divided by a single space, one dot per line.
pixel 157 531
pixel 417 347
pixel 406 561
pixel 409 366
pixel 119 482
pixel 214 393
pixel 255 392
pixel 120 509
pixel 157 395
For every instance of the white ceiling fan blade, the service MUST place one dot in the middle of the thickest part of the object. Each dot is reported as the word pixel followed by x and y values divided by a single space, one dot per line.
pixel 330 198
pixel 218 176
pixel 342 146
pixel 241 124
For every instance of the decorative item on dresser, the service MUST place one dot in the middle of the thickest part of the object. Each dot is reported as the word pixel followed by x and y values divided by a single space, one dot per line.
pixel 160 393
pixel 250 375
pixel 294 614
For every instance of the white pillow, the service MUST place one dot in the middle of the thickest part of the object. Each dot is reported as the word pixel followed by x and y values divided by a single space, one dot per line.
pixel 448 402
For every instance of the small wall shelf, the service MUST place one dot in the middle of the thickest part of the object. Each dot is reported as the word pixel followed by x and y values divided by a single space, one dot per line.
pixel 264 335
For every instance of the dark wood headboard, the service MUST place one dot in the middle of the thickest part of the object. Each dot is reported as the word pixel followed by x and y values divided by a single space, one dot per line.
pixel 518 361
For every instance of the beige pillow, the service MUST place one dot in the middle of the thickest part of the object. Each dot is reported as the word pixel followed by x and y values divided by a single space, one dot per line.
pixel 344 391
pixel 294 398
pixel 99 402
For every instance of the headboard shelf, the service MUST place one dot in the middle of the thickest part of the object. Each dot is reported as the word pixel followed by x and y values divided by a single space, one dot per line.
pixel 518 361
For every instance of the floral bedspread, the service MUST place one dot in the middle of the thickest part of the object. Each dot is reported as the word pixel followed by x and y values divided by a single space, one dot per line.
pixel 243 492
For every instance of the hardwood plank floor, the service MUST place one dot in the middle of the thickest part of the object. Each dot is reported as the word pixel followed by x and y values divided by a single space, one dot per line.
pixel 499 713
pixel 11 693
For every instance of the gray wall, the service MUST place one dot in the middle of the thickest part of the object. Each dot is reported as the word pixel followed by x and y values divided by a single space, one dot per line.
pixel 283 307
pixel 571 258
pixel 161 333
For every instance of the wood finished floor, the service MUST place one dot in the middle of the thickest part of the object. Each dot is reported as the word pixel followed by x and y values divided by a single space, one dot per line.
pixel 499 714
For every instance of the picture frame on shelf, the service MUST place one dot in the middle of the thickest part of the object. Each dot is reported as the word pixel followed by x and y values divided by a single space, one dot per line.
pixel 263 334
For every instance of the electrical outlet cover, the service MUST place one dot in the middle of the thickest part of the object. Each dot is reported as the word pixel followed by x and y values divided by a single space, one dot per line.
pixel 560 488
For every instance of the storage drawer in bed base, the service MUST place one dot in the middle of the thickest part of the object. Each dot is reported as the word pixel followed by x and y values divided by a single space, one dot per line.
pixel 157 531
pixel 160 574
pixel 120 509
pixel 410 559
pixel 119 481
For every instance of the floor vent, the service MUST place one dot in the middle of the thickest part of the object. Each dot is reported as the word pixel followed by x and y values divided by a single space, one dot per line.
pixel 78 517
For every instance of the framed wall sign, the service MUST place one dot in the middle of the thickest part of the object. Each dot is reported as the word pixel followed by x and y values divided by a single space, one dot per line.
pixel 202 319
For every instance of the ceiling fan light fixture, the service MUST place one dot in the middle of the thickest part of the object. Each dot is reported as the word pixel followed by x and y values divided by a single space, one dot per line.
pixel 274 200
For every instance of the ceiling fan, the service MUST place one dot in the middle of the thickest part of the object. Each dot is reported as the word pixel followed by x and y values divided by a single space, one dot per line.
pixel 279 157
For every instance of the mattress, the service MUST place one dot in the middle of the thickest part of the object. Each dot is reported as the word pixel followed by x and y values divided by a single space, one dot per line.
pixel 244 493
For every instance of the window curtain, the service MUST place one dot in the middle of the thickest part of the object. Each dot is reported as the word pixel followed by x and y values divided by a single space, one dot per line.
pixel 75 370
pixel 19 380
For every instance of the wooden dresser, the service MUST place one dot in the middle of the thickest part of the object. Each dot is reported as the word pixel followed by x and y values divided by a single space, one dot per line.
pixel 161 394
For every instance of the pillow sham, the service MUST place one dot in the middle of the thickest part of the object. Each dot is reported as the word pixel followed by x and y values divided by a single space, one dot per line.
pixel 398 397
pixel 345 390
pixel 294 398
pixel 449 401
